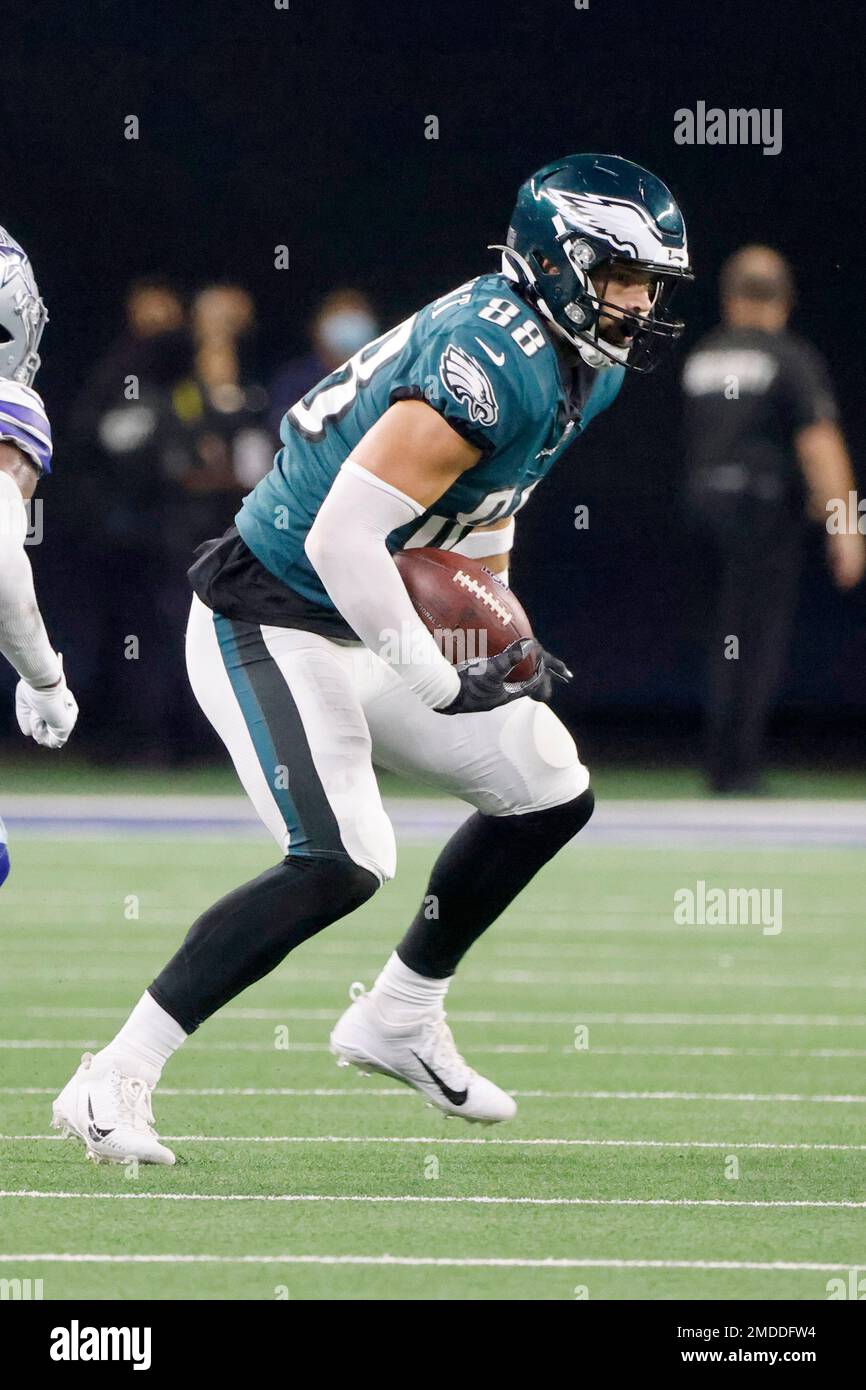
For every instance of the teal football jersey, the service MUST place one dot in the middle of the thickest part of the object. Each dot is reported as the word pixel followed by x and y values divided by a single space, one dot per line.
pixel 484 360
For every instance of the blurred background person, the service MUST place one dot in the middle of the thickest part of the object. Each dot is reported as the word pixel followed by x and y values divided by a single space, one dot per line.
pixel 224 407
pixel 343 323
pixel 168 435
pixel 764 454
pixel 128 444
pixel 124 411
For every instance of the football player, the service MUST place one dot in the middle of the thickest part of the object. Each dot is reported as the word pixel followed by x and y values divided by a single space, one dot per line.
pixel 435 434
pixel 45 707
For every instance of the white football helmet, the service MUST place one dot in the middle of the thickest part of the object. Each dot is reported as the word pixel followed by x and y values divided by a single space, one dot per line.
pixel 23 314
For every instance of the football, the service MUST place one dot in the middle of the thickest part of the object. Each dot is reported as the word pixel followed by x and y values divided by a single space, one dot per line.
pixel 467 609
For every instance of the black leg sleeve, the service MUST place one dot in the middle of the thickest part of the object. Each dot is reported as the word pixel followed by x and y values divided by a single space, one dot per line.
pixel 249 931
pixel 479 872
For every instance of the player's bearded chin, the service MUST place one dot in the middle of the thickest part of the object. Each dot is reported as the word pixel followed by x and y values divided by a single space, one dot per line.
pixel 616 328
pixel 618 332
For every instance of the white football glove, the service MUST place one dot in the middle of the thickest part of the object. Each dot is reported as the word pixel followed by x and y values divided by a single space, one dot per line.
pixel 47 715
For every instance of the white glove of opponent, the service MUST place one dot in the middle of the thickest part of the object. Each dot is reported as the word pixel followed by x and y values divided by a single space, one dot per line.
pixel 47 715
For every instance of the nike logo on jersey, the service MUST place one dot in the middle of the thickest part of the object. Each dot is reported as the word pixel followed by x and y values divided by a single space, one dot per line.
pixel 497 357
pixel 455 1097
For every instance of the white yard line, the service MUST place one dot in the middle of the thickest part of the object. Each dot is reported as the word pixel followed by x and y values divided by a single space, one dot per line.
pixel 60 1044
pixel 817 1053
pixel 492 1049
pixel 416 1200
pixel 780 1097
pixel 492 1016
pixel 643 931
pixel 502 979
pixel 729 1145
pixel 747 1097
pixel 672 978
pixel 506 979
pixel 705 950
pixel 424 1261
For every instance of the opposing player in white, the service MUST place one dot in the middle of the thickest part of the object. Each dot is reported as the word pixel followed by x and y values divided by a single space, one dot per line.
pixel 44 705
pixel 45 708
pixel 115 1114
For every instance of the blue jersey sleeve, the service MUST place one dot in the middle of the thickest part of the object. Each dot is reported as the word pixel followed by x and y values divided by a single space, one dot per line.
pixel 473 386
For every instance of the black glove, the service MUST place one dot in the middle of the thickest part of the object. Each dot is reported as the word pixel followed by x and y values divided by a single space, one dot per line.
pixel 549 669
pixel 484 683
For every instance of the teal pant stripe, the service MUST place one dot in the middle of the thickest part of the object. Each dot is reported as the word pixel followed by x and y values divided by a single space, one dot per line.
pixel 255 721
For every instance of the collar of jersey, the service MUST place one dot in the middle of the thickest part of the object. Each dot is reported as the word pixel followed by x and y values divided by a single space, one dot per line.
pixel 566 359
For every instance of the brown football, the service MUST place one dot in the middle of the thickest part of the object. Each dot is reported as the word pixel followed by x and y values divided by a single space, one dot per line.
pixel 467 609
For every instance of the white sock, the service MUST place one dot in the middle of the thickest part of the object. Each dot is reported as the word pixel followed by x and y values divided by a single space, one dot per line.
pixel 145 1042
pixel 401 994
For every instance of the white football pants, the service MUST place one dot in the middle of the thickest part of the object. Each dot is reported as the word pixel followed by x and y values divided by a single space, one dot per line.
pixel 305 717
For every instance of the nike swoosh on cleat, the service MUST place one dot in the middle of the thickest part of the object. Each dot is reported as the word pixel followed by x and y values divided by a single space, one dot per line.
pixel 93 1129
pixel 497 358
pixel 455 1097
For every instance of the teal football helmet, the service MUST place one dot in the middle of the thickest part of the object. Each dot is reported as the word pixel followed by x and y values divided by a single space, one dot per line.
pixel 577 219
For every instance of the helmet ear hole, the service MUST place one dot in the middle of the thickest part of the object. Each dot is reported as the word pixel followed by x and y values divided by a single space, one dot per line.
pixel 538 261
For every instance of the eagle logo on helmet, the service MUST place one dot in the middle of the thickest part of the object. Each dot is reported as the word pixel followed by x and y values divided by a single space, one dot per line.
pixel 621 222
pixel 466 380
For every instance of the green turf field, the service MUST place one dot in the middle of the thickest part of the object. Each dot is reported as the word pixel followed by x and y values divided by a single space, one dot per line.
pixel 715 1122
pixel 66 772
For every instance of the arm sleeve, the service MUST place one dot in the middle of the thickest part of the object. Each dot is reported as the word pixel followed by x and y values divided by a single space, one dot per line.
pixel 23 639
pixel 808 390
pixel 346 547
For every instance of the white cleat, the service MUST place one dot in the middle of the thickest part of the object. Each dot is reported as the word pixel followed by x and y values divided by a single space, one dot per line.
pixel 422 1054
pixel 111 1113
